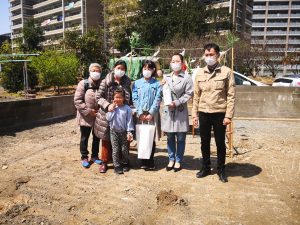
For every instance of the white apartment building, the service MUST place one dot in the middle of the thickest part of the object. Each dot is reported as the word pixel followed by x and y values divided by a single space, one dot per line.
pixel 55 17
pixel 276 25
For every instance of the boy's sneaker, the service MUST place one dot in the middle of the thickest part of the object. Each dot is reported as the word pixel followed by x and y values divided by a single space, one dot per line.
pixel 119 170
pixel 150 165
pixel 85 163
pixel 96 160
pixel 126 167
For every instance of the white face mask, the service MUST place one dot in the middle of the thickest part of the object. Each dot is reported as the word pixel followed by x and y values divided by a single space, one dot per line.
pixel 210 60
pixel 119 73
pixel 176 67
pixel 147 73
pixel 95 75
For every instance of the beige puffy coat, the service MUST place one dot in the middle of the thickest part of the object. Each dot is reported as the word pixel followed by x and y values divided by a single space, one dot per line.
pixel 85 102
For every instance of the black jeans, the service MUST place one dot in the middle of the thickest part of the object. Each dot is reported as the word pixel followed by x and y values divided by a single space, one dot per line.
pixel 85 134
pixel 215 121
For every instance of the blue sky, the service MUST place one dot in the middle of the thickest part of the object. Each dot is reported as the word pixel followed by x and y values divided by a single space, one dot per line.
pixel 4 17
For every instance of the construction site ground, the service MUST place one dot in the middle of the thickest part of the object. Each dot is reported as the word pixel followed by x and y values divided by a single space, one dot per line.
pixel 42 181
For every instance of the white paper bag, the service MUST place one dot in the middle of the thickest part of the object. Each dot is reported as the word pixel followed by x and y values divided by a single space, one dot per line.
pixel 167 94
pixel 144 136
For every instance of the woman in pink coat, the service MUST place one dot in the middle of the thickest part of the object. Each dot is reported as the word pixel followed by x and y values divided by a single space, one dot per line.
pixel 87 108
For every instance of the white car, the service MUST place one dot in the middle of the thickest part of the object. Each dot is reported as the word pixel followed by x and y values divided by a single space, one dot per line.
pixel 286 82
pixel 240 79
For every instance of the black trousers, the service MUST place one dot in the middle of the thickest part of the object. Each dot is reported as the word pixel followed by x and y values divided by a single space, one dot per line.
pixel 85 134
pixel 215 121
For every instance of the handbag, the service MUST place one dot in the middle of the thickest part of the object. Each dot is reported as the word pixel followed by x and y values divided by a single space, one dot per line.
pixel 144 136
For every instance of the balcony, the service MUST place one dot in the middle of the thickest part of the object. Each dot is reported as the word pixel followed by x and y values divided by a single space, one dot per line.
pixel 53 32
pixel 296 15
pixel 50 22
pixel 257 33
pixel 297 42
pixel 17 36
pixel 45 3
pixel 73 6
pixel 271 33
pixel 295 7
pixel 74 17
pixel 258 24
pixel 258 16
pixel 47 13
pixel 249 9
pixel 18 26
pixel 278 15
pixel 19 16
pixel 12 9
pixel 259 7
pixel 248 22
pixel 276 49
pixel 277 24
pixel 294 24
pixel 294 33
pixel 269 42
pixel 278 7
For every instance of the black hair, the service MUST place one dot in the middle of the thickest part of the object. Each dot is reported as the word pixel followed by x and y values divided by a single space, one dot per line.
pixel 212 46
pixel 119 90
pixel 180 56
pixel 151 65
pixel 121 62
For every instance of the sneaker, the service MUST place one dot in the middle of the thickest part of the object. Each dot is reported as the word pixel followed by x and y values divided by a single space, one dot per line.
pixel 119 170
pixel 103 168
pixel 85 163
pixel 96 160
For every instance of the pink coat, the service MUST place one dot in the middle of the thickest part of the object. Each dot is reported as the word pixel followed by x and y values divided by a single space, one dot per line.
pixel 85 102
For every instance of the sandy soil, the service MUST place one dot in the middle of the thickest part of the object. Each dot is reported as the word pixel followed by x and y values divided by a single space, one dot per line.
pixel 42 181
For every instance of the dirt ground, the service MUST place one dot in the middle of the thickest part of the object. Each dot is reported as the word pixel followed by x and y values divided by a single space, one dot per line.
pixel 42 181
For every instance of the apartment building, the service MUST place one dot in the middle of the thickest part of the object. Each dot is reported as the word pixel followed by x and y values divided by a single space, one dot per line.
pixel 55 17
pixel 241 11
pixel 276 28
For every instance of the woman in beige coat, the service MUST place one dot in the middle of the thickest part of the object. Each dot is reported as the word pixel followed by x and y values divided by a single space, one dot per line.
pixel 87 108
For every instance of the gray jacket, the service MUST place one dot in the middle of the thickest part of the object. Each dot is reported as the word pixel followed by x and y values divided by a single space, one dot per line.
pixel 177 120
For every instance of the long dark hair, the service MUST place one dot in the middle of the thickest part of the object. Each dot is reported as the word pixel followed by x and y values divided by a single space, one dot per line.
pixel 151 65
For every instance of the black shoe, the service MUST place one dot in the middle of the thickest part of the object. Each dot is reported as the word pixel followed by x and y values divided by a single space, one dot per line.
pixel 126 167
pixel 176 169
pixel 119 170
pixel 150 165
pixel 222 176
pixel 205 171
pixel 169 168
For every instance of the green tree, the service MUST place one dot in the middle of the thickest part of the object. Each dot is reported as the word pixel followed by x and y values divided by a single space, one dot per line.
pixel 56 68
pixel 33 36
pixel 162 20
pixel 120 17
pixel 88 47
pixel 11 76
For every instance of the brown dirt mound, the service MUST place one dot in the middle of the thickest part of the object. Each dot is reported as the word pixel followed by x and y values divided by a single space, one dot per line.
pixel 169 198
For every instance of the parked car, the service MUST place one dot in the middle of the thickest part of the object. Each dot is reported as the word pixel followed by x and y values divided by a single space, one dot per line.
pixel 241 79
pixel 286 81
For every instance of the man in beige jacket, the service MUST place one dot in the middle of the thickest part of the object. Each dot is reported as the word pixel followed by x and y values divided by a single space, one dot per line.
pixel 213 107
